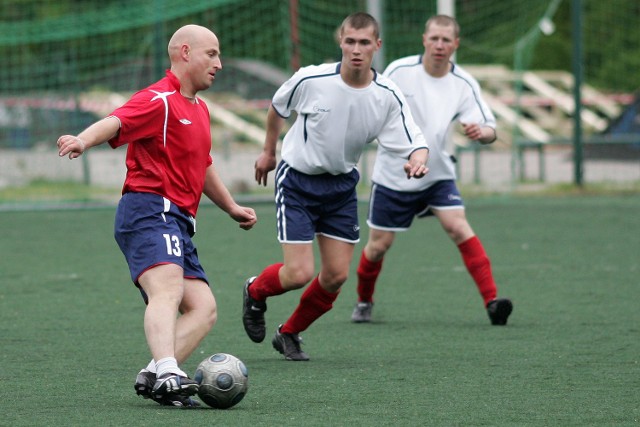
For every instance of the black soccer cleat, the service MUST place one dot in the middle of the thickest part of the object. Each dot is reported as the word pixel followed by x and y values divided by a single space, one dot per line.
pixel 170 385
pixel 144 387
pixel 289 346
pixel 144 383
pixel 499 310
pixel 253 314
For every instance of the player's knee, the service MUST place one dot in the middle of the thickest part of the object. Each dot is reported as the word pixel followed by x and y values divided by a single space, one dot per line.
pixel 375 251
pixel 378 245
pixel 458 231
pixel 334 280
pixel 211 317
pixel 208 310
pixel 168 296
pixel 207 315
pixel 298 278
pixel 202 306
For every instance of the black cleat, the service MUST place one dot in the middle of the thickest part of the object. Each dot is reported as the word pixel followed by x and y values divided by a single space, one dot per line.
pixel 144 387
pixel 170 385
pixel 253 314
pixel 499 310
pixel 144 383
pixel 289 346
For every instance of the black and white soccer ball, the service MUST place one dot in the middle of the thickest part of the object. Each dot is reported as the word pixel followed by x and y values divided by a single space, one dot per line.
pixel 223 380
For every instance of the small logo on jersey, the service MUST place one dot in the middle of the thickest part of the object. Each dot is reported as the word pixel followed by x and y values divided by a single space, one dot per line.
pixel 317 109
pixel 356 228
pixel 408 95
pixel 454 197
pixel 185 122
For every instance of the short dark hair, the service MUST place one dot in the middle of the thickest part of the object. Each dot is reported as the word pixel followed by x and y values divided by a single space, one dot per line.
pixel 445 21
pixel 360 20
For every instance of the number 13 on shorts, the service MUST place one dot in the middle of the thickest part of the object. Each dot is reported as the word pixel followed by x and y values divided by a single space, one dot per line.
pixel 173 245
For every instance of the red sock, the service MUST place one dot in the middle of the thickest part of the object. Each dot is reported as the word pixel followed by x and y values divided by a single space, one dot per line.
pixel 367 275
pixel 314 302
pixel 267 284
pixel 479 266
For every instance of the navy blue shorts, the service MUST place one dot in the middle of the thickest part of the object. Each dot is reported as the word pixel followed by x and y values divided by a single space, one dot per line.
pixel 393 210
pixel 151 230
pixel 324 204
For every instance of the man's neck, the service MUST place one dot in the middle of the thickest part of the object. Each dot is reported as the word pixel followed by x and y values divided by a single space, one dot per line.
pixel 357 79
pixel 436 69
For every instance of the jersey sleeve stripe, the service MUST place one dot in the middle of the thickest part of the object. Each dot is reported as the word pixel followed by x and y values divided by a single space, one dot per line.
pixel 337 71
pixel 404 124
pixel 476 95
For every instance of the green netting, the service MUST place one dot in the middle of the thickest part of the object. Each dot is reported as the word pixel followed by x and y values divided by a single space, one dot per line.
pixel 65 45
pixel 46 21
pixel 56 51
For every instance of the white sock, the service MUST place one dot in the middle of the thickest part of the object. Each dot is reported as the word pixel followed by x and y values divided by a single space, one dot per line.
pixel 168 365
pixel 151 367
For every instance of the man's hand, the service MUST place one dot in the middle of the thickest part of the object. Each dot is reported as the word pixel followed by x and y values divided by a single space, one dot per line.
pixel 264 164
pixel 482 134
pixel 71 145
pixel 416 167
pixel 245 217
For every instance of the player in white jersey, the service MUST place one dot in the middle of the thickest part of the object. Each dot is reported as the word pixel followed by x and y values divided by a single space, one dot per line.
pixel 439 93
pixel 341 107
pixel 339 120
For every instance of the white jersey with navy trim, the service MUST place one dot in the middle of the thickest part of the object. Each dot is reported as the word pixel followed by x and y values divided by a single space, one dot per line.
pixel 335 121
pixel 435 103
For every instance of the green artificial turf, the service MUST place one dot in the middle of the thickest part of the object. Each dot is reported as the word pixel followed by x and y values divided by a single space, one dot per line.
pixel 71 338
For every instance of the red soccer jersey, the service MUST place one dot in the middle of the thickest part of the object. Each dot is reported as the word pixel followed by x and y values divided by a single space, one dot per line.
pixel 169 143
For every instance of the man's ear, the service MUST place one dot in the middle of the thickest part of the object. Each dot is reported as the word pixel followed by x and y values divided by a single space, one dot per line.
pixel 184 52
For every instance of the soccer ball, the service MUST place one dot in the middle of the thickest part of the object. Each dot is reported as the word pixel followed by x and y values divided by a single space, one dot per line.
pixel 223 380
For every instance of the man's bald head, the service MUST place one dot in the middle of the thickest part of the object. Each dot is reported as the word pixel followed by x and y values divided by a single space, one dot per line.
pixel 194 52
pixel 190 35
